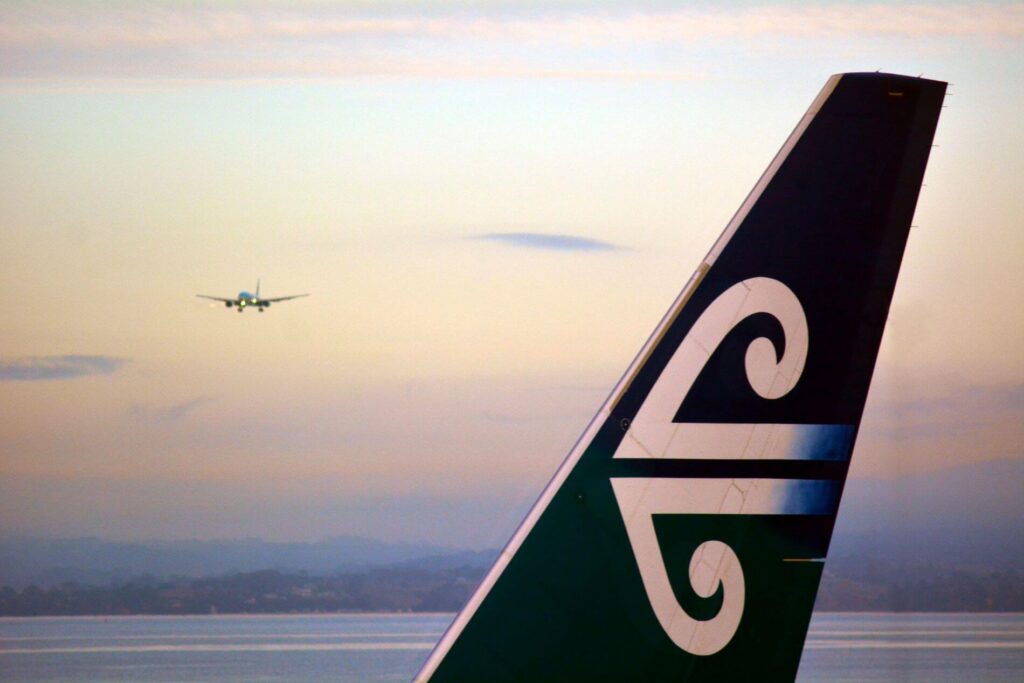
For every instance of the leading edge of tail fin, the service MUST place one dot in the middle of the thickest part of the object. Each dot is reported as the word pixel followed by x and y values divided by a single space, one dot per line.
pixel 684 536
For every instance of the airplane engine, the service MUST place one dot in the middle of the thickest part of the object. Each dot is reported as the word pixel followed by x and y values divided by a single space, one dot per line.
pixel 229 304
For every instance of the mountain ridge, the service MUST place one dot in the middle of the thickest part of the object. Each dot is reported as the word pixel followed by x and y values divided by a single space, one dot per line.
pixel 959 517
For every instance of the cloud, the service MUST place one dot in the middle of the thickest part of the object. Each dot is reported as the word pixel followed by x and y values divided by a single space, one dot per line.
pixel 536 240
pixel 37 368
pixel 171 413
pixel 212 25
pixel 950 410
pixel 317 40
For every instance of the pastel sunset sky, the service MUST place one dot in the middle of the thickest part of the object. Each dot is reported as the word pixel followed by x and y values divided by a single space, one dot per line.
pixel 491 205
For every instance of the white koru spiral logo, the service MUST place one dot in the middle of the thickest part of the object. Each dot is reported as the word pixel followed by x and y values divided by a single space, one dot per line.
pixel 650 434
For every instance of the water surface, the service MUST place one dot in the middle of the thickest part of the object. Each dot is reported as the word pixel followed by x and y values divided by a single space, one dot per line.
pixel 932 648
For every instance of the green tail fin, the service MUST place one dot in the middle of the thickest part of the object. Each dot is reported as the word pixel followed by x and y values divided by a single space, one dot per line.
pixel 684 536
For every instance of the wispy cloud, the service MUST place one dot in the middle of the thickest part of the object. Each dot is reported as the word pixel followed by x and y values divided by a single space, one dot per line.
pixel 168 413
pixel 952 411
pixel 327 40
pixel 36 368
pixel 171 25
pixel 536 240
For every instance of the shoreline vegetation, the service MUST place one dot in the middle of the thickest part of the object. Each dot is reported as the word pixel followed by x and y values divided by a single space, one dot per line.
pixel 862 586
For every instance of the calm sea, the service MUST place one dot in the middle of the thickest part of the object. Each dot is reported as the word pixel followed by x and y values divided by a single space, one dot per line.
pixel 280 649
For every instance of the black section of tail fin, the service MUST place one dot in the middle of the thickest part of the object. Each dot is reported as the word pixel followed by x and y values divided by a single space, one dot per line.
pixel 832 225
pixel 683 537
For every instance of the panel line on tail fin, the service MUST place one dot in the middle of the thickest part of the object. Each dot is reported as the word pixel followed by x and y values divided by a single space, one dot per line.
pixel 713 565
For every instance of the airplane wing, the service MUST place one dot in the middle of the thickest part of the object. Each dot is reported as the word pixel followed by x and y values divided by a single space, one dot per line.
pixel 216 298
pixel 282 298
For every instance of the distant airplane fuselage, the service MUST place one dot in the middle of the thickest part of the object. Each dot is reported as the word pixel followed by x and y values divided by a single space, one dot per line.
pixel 248 300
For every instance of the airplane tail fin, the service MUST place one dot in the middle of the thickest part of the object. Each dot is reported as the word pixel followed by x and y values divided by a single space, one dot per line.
pixel 684 536
pixel 257 288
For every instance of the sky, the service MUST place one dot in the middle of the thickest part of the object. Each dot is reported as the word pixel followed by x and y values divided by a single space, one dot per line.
pixel 491 206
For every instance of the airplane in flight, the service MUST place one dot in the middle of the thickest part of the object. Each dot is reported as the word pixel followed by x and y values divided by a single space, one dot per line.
pixel 246 299
pixel 684 536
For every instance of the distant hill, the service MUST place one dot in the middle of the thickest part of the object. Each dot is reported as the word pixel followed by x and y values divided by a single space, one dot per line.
pixel 46 562
pixel 963 518
pixel 263 592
